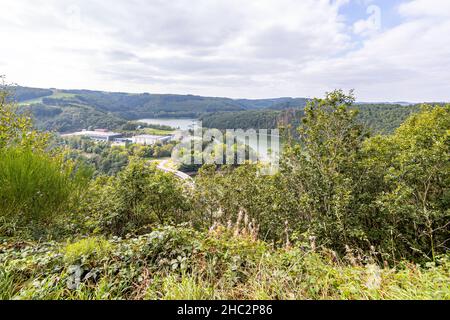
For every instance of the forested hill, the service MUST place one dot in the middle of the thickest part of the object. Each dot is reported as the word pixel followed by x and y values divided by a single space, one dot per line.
pixel 67 110
pixel 135 106
pixel 380 118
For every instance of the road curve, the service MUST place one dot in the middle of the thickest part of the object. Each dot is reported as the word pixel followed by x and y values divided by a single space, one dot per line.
pixel 162 165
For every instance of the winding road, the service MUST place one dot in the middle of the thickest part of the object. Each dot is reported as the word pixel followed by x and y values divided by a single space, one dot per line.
pixel 162 165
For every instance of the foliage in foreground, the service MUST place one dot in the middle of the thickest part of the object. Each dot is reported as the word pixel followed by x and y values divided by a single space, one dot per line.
pixel 225 263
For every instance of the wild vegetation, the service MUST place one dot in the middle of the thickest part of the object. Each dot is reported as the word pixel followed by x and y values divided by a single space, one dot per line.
pixel 181 263
pixel 348 216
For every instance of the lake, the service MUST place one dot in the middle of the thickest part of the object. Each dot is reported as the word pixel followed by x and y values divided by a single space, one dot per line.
pixel 181 123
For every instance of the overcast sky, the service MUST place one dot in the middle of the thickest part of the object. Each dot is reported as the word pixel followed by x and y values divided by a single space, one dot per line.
pixel 387 50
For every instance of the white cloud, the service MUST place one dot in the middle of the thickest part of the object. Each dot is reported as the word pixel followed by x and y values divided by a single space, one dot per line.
pixel 83 43
pixel 426 8
pixel 256 48
pixel 408 62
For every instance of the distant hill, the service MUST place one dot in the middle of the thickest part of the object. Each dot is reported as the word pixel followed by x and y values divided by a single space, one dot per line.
pixel 135 106
pixel 66 110
pixel 69 110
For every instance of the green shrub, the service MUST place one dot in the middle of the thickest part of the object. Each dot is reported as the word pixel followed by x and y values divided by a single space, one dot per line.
pixel 136 200
pixel 93 247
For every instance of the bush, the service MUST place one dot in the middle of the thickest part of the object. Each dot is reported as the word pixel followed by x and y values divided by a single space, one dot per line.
pixel 139 198
pixel 408 178
pixel 219 194
pixel 92 247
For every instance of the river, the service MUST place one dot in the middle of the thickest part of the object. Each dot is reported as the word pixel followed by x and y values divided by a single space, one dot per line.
pixel 180 123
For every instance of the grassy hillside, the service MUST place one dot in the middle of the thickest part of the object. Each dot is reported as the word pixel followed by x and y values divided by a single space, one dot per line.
pixel 22 94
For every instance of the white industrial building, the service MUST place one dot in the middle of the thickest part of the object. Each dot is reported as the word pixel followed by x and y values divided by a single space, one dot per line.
pixel 147 139
pixel 98 135
pixel 109 136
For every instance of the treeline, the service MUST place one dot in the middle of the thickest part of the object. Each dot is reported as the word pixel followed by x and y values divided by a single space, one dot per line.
pixel 254 119
pixel 140 106
pixel 70 118
pixel 384 118
pixel 380 118
pixel 136 125
pixel 71 110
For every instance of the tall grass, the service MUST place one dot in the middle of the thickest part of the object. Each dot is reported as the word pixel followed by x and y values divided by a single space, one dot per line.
pixel 35 187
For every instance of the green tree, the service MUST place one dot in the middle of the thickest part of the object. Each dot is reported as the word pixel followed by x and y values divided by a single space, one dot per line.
pixel 322 170
pixel 411 170
pixel 16 128
pixel 137 199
